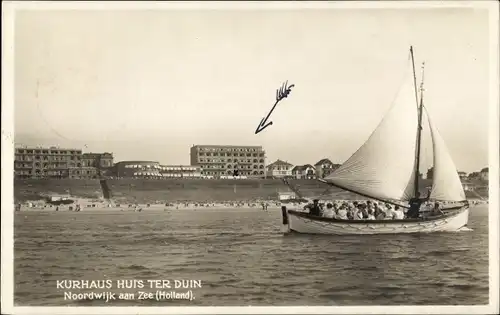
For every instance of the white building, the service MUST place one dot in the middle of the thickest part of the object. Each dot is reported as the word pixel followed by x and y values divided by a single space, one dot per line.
pixel 279 169
pixel 306 171
pixel 325 167
pixel 180 171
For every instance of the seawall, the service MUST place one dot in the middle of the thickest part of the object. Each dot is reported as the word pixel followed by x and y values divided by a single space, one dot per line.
pixel 171 190
pixel 140 190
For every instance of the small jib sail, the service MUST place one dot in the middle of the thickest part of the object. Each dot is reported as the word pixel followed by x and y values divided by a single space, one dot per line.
pixel 385 167
pixel 446 184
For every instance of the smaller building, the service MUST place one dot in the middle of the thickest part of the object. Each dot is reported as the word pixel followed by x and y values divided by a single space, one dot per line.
pixel 484 174
pixel 180 171
pixel 306 171
pixel 469 186
pixel 279 169
pixel 325 167
pixel 138 169
pixel 98 160
pixel 95 165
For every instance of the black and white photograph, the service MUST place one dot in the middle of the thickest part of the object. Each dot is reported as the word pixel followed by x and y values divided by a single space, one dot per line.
pixel 253 157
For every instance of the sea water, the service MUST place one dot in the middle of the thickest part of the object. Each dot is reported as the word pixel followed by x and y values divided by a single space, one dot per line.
pixel 240 257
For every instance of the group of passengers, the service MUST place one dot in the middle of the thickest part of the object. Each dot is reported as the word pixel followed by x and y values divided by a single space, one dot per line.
pixel 363 210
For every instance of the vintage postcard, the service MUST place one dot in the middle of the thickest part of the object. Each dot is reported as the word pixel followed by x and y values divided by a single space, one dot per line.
pixel 250 157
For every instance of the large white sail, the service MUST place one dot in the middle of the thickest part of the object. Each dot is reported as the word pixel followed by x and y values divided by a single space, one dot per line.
pixel 446 184
pixel 384 165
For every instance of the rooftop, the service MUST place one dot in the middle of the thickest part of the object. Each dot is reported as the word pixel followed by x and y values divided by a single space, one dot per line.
pixel 136 162
pixel 44 148
pixel 323 161
pixel 280 162
pixel 300 168
pixel 91 153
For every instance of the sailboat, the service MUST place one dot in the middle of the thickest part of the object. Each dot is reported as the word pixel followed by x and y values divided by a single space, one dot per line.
pixel 386 169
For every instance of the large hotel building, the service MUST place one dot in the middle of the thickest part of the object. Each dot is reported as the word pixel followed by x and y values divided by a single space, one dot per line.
pixel 54 162
pixel 223 160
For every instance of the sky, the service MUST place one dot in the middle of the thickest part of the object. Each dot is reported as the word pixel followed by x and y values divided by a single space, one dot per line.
pixel 147 85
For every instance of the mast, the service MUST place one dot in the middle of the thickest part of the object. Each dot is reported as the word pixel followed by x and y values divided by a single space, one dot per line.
pixel 419 128
pixel 414 76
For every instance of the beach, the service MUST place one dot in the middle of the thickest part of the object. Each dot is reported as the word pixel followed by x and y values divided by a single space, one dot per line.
pixel 177 194
pixel 105 205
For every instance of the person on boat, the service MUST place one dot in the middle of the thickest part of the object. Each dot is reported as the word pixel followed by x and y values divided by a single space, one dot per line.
pixel 336 211
pixel 364 211
pixel 389 214
pixel 379 213
pixel 428 206
pixel 314 208
pixel 329 213
pixel 342 213
pixel 359 215
pixel 358 212
pixel 370 215
pixel 350 212
pixel 415 203
pixel 398 214
pixel 437 209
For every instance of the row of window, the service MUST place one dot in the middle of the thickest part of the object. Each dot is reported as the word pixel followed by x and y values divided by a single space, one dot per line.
pixel 281 168
pixel 275 172
pixel 221 166
pixel 166 168
pixel 157 175
pixel 187 171
pixel 23 165
pixel 232 154
pixel 308 172
pixel 46 158
pixel 231 173
pixel 50 165
pixel 45 176
pixel 46 165
pixel 30 151
pixel 204 149
pixel 142 166
pixel 231 160
pixel 43 172
pixel 54 172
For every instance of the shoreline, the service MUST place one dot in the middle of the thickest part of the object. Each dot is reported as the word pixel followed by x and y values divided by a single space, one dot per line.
pixel 156 210
pixel 181 190
pixel 104 205
pixel 101 205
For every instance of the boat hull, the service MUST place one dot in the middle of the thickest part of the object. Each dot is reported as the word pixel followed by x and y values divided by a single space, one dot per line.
pixel 300 222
